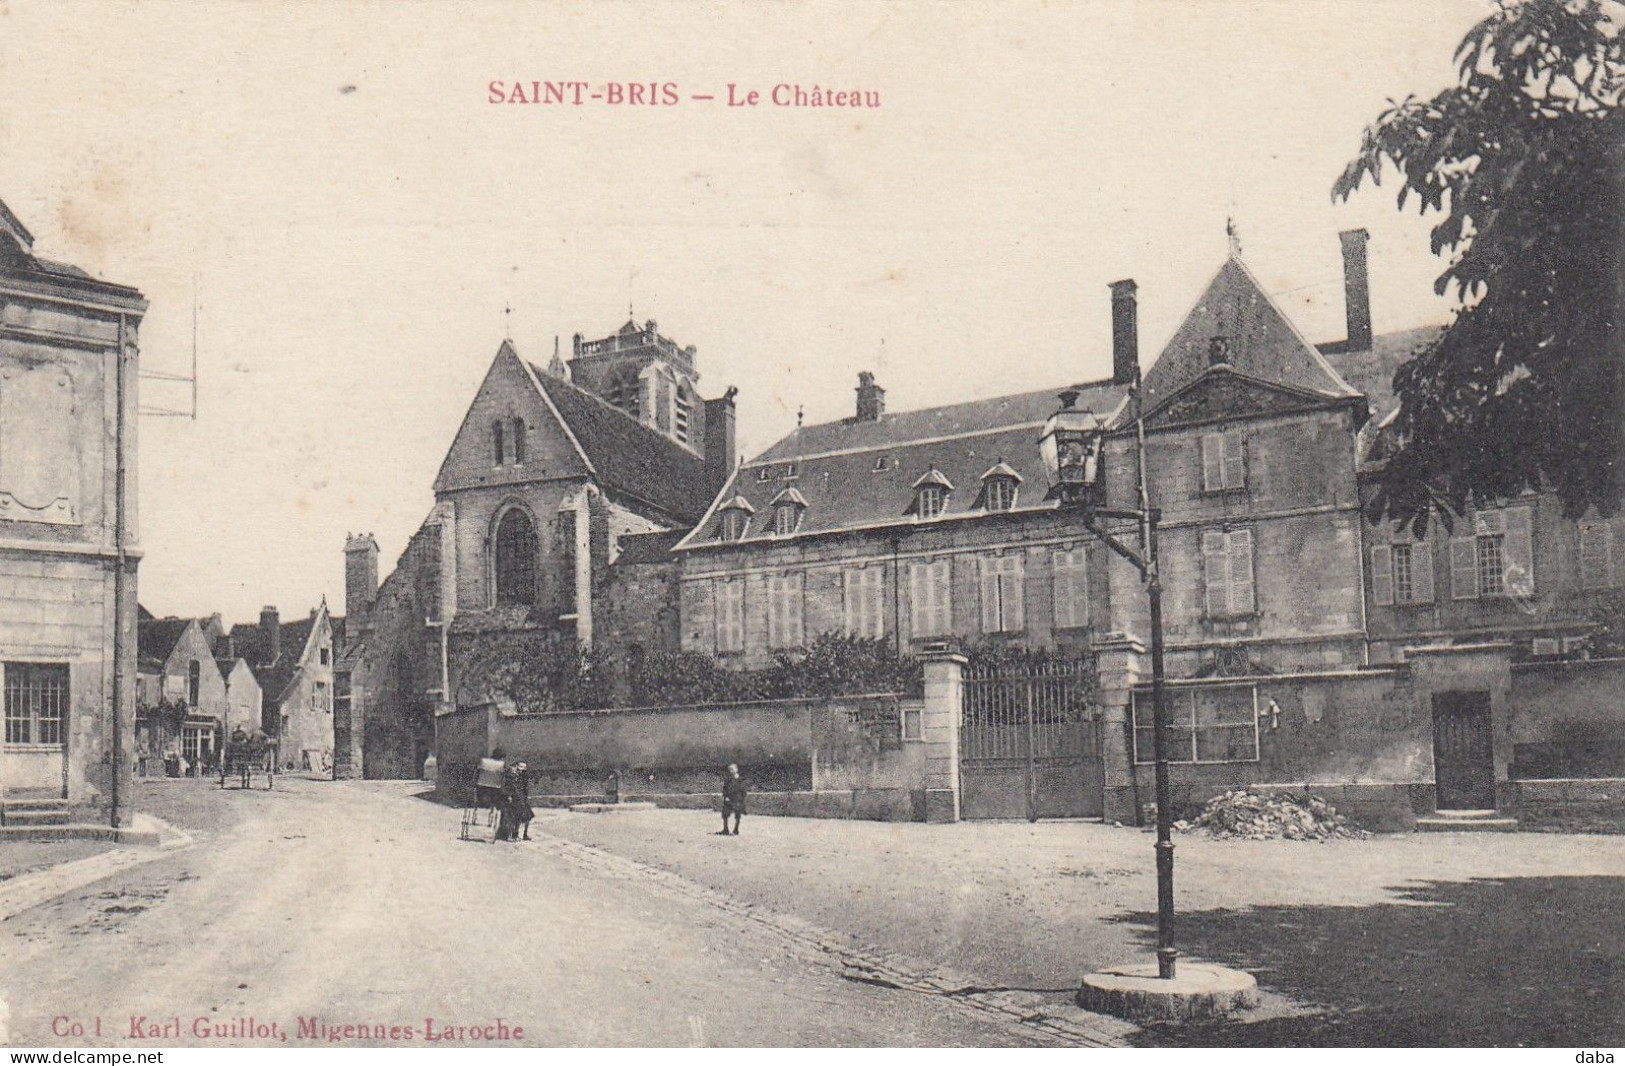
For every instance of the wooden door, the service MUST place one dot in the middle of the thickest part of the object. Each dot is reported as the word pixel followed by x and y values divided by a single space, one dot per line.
pixel 1463 753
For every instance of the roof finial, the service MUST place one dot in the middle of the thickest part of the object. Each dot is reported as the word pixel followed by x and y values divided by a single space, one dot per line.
pixel 1233 234
pixel 801 415
pixel 507 322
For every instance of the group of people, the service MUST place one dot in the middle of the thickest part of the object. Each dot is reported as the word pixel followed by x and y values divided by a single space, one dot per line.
pixel 505 788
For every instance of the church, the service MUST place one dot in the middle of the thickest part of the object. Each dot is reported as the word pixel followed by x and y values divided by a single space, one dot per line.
pixel 555 472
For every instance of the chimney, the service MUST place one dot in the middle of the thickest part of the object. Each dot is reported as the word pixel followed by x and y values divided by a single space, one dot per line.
pixel 270 635
pixel 360 572
pixel 871 398
pixel 1125 333
pixel 1356 290
pixel 719 441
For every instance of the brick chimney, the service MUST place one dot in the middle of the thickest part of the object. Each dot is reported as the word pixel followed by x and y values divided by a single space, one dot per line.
pixel 719 440
pixel 1125 332
pixel 871 398
pixel 1356 290
pixel 360 572
pixel 270 635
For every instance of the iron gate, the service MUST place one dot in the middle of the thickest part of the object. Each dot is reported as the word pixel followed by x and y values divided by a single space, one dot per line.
pixel 1029 745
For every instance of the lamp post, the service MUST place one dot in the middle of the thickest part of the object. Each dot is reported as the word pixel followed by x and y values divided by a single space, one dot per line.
pixel 1071 451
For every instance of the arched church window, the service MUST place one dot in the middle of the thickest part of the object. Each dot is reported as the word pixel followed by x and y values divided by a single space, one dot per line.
pixel 516 559
pixel 497 452
pixel 519 440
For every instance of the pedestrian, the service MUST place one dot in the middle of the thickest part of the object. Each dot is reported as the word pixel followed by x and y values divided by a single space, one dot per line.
pixel 516 789
pixel 733 798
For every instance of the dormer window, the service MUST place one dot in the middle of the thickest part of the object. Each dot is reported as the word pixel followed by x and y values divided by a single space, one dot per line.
pixel 930 500
pixel 999 487
pixel 930 494
pixel 787 509
pixel 733 517
pixel 1218 350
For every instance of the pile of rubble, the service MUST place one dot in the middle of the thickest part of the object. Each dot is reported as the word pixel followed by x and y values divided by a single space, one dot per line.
pixel 1248 815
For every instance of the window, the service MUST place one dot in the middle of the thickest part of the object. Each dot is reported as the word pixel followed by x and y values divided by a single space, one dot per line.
pixel 1001 494
pixel 326 657
pixel 1227 572
pixel 929 502
pixel 865 601
pixel 515 568
pixel 730 614
pixel 1497 559
pixel 682 413
pixel 1001 594
pixel 1597 567
pixel 519 440
pixel 930 590
pixel 1071 577
pixel 1401 573
pixel 318 697
pixel 194 682
pixel 913 721
pixel 784 611
pixel 786 517
pixel 1224 462
pixel 1204 725
pixel 498 454
pixel 36 702
pixel 623 392
pixel 731 526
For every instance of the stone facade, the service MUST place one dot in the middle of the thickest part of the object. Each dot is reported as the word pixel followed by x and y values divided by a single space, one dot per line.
pixel 552 471
pixel 68 530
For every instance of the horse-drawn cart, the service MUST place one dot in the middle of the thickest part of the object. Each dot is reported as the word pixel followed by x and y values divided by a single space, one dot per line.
pixel 246 756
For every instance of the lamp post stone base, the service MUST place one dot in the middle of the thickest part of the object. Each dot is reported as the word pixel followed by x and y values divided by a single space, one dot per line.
pixel 1199 991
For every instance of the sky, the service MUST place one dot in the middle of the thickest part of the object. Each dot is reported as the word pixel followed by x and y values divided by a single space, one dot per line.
pixel 330 188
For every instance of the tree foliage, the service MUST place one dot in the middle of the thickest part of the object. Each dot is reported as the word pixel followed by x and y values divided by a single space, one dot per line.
pixel 1524 157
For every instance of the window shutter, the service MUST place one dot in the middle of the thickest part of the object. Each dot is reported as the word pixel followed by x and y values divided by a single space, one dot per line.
pixel 1241 572
pixel 1382 575
pixel 850 597
pixel 916 605
pixel 1216 574
pixel 1012 593
pixel 1421 572
pixel 1596 569
pixel 797 608
pixel 1464 568
pixel 1520 554
pixel 1233 468
pixel 990 595
pixel 943 595
pixel 1212 461
pixel 1071 589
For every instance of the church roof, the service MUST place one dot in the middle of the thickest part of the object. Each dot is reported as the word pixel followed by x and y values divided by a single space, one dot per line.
pixel 623 454
pixel 1236 316
pixel 862 474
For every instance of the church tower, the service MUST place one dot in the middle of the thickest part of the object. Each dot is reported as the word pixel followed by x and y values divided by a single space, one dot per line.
pixel 646 375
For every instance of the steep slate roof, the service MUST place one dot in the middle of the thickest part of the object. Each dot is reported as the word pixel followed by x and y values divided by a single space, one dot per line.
pixel 249 646
pixel 155 640
pixel 1372 371
pixel 1263 342
pixel 625 455
pixel 17 257
pixel 648 547
pixel 836 464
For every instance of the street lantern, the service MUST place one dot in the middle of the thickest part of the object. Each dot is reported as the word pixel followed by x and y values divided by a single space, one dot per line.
pixel 1070 449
